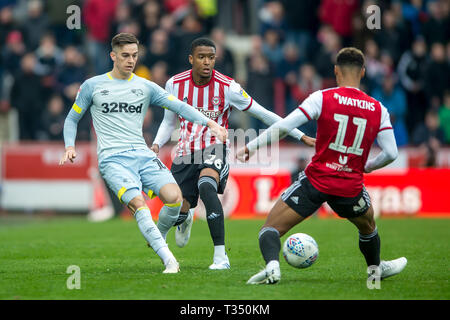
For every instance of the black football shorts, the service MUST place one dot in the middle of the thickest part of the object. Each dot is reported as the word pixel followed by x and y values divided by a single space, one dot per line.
pixel 186 170
pixel 305 199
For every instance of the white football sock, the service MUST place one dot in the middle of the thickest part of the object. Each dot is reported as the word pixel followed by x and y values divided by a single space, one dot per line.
pixel 149 229
pixel 219 253
pixel 273 264
pixel 165 254
pixel 168 216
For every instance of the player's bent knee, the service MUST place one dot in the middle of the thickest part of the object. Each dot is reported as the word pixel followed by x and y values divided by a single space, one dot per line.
pixel 170 194
pixel 136 203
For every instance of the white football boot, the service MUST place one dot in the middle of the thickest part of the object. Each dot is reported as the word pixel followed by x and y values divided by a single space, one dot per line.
pixel 172 266
pixel 392 267
pixel 183 230
pixel 270 275
pixel 222 264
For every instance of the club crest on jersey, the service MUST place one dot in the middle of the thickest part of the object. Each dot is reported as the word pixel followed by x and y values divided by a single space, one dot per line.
pixel 138 92
pixel 215 101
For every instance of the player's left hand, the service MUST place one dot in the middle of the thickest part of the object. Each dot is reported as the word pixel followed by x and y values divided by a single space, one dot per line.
pixel 69 154
pixel 220 132
pixel 243 154
pixel 310 142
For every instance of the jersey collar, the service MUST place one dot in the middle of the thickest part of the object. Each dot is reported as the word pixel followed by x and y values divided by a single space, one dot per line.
pixel 205 85
pixel 110 77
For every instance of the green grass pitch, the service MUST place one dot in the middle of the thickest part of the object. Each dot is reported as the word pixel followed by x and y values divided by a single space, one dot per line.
pixel 116 264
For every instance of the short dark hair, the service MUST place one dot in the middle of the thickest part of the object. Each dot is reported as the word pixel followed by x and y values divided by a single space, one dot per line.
pixel 122 39
pixel 350 57
pixel 202 42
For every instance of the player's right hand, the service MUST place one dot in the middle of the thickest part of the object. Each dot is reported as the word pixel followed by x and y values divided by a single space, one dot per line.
pixel 243 154
pixel 70 154
pixel 155 148
pixel 220 132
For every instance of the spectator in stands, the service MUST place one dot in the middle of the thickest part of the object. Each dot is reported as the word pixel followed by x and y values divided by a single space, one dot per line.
pixel 388 37
pixel 272 18
pixel 302 24
pixel 150 17
pixel 411 70
pixel 260 82
pixel 57 15
pixel 7 24
pixel 121 17
pixel 71 74
pixel 159 49
pixel 325 58
pixel 224 57
pixel 360 31
pixel 375 69
pixel 98 16
pixel 190 29
pixel 13 52
pixel 394 99
pixel 437 27
pixel 290 62
pixel 27 97
pixel 131 26
pixel 207 11
pixel 35 25
pixel 49 56
pixel 429 136
pixel 444 116
pixel 413 13
pixel 271 47
pixel 52 120
pixel 307 82
pixel 437 75
pixel 339 14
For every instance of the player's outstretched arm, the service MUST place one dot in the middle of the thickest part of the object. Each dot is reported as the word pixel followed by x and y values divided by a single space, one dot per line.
pixel 389 151
pixel 269 118
pixel 70 133
pixel 276 132
pixel 81 104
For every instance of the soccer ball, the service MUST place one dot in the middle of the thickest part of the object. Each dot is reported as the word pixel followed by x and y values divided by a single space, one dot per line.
pixel 300 250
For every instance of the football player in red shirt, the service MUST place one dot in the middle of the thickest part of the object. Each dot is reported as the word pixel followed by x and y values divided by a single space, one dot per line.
pixel 348 122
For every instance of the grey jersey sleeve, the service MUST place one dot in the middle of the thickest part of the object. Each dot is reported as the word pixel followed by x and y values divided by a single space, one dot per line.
pixel 82 103
pixel 162 98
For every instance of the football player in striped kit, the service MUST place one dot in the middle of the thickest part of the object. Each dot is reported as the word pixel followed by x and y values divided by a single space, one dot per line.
pixel 200 166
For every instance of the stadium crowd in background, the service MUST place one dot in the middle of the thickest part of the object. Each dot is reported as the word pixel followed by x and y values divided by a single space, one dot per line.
pixel 293 47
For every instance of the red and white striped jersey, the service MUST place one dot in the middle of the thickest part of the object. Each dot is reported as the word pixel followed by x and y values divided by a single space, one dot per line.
pixel 214 99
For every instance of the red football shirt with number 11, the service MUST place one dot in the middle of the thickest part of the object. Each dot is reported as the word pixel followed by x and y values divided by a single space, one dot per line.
pixel 348 121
